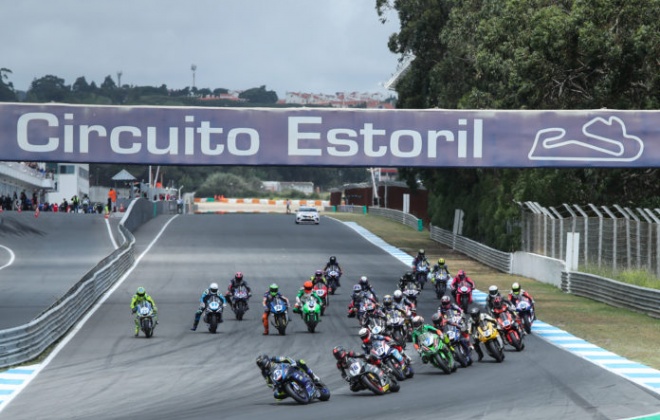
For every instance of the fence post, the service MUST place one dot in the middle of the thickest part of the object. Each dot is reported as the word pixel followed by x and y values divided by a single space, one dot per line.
pixel 364 209
pixel 420 225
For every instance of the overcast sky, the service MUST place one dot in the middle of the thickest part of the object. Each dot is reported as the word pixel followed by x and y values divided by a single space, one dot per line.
pixel 314 46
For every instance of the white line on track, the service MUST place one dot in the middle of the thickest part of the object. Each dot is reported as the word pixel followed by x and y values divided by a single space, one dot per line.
pixel 12 257
pixel 112 237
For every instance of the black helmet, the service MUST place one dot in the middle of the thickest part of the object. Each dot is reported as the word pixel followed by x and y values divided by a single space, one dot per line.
pixel 263 361
pixel 497 302
pixel 408 275
pixel 387 301
pixel 339 352
pixel 318 273
pixel 421 252
pixel 475 312
pixel 492 290
pixel 437 319
pixel 238 277
pixel 333 260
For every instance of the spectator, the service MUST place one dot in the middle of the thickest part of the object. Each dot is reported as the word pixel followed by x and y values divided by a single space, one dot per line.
pixel 112 200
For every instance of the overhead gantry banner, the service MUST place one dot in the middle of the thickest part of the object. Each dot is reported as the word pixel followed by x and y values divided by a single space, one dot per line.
pixel 328 136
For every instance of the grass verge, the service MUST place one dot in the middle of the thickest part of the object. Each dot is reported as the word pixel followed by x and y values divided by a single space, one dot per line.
pixel 629 334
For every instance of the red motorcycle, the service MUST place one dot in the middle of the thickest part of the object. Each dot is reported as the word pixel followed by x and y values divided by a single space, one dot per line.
pixel 464 295
pixel 508 325
pixel 321 290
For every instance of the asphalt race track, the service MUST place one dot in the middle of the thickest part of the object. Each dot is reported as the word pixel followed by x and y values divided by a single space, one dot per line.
pixel 106 373
pixel 51 253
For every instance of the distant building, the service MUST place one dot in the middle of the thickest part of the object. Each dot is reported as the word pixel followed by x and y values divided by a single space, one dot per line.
pixel 70 179
pixel 278 186
pixel 339 100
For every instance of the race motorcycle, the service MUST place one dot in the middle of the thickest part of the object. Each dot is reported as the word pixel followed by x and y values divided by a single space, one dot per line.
pixel 213 313
pixel 279 309
pixel 322 291
pixel 433 349
pixel 490 337
pixel 525 314
pixel 239 301
pixel 453 328
pixel 383 355
pixel 145 314
pixel 362 375
pixel 440 280
pixel 509 328
pixel 395 327
pixel 332 275
pixel 421 273
pixel 411 291
pixel 464 295
pixel 311 312
pixel 297 384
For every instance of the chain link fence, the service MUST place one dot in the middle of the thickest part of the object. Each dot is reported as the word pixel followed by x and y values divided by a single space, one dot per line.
pixel 614 238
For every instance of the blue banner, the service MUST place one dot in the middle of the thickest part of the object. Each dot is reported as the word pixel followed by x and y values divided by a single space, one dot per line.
pixel 328 137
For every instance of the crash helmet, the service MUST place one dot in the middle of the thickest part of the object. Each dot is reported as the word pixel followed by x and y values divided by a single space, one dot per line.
pixel 436 318
pixel 461 274
pixel 339 352
pixel 475 312
pixel 140 291
pixel 441 261
pixel 445 302
pixel 497 302
pixel 421 253
pixel 515 288
pixel 417 321
pixel 398 295
pixel 273 289
pixel 493 291
pixel 238 277
pixel 263 361
pixel 408 275
pixel 364 334
pixel 387 301
pixel 333 260
pixel 308 286
pixel 318 274
pixel 213 288
pixel 364 281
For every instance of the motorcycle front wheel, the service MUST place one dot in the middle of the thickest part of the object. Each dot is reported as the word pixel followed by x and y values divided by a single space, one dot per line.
pixel 372 383
pixel 297 392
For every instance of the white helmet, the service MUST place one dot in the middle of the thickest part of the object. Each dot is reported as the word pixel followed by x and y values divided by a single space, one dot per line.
pixel 398 295
pixel 213 288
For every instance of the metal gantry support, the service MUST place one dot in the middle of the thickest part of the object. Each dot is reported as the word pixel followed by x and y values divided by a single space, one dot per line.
pixel 600 233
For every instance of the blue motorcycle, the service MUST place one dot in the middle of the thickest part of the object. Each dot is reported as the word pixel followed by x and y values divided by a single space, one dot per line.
pixel 297 384
pixel 279 309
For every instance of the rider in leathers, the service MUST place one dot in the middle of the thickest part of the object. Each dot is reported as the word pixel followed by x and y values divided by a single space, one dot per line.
pixel 266 363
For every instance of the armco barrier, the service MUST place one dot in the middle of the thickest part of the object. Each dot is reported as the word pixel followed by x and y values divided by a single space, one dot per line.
pixel 612 292
pixel 25 342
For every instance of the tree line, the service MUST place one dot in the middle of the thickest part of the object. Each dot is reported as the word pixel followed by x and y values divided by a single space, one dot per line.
pixel 527 54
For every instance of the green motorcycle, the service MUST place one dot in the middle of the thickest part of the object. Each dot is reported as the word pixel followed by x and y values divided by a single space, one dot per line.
pixel 311 312
pixel 433 349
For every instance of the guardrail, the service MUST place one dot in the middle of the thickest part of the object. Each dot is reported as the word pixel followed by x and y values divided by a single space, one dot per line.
pixel 26 342
pixel 398 216
pixel 494 258
pixel 612 292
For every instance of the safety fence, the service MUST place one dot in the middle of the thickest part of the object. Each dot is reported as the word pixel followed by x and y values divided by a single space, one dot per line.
pixel 396 215
pixel 616 238
pixel 26 342
pixel 601 289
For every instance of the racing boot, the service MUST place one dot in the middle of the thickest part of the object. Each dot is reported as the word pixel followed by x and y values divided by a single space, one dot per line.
pixel 264 319
pixel 195 323
pixel 137 330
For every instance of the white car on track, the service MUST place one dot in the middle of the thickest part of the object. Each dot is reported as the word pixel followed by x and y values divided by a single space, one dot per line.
pixel 307 215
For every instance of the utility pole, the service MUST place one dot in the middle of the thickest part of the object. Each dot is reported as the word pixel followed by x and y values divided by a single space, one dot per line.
pixel 119 73
pixel 193 68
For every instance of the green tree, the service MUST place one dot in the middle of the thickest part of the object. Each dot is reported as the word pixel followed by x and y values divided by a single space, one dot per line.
pixel 259 95
pixel 48 89
pixel 7 93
